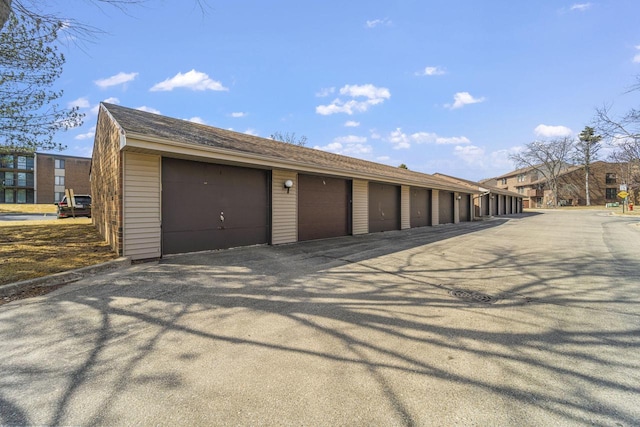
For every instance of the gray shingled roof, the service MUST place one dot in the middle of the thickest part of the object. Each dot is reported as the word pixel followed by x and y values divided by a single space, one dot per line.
pixel 477 185
pixel 147 124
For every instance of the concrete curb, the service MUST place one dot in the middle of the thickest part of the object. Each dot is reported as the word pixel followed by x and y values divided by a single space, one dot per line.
pixel 63 278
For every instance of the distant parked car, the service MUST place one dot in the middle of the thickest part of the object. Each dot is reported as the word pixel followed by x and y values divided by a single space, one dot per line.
pixel 82 207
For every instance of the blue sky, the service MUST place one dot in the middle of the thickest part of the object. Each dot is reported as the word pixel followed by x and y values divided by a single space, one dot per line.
pixel 442 86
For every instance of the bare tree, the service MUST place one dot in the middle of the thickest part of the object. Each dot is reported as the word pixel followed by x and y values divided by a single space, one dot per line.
pixel 548 158
pixel 29 65
pixel 289 138
pixel 627 171
pixel 622 132
pixel 5 11
pixel 585 152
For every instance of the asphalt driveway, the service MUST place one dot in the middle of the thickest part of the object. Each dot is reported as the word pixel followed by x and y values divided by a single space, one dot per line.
pixel 531 320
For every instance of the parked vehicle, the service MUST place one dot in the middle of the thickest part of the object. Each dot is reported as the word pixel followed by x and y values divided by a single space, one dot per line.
pixel 82 207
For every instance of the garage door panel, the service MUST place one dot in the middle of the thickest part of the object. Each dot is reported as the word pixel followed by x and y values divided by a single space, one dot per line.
pixel 464 208
pixel 208 206
pixel 323 207
pixel 384 207
pixel 420 215
pixel 445 208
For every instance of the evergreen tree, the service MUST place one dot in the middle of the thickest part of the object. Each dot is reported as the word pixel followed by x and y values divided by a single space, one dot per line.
pixel 586 151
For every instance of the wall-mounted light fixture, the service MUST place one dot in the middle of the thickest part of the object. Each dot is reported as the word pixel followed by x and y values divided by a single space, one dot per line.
pixel 459 197
pixel 288 184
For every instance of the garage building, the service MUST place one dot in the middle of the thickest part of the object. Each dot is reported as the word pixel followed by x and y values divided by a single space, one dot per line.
pixel 162 185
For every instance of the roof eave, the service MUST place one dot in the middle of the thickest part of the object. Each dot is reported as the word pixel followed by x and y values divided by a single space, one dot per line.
pixel 153 143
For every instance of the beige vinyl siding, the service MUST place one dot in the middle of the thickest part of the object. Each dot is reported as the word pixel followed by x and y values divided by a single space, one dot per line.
pixel 360 207
pixel 405 207
pixel 284 208
pixel 435 207
pixel 142 232
pixel 456 209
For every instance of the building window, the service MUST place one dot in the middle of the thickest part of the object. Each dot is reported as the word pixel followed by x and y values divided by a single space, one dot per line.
pixel 521 177
pixel 8 179
pixel 21 196
pixel 520 190
pixel 59 163
pixel 59 180
pixel 57 196
pixel 503 181
pixel 25 162
pixel 8 196
pixel 610 178
pixel 611 193
pixel 22 179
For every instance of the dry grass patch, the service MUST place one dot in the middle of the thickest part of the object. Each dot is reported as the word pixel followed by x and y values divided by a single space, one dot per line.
pixel 31 249
pixel 27 208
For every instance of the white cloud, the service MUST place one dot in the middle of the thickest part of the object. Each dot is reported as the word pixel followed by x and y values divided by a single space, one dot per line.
pixel 348 145
pixel 351 139
pixel 374 95
pixel 463 98
pixel 499 159
pixel 580 6
pixel 431 71
pixel 89 135
pixel 325 92
pixel 401 140
pixel 148 109
pixel 552 131
pixel 111 100
pixel 368 91
pixel 636 58
pixel 194 80
pixel 251 132
pixel 238 114
pixel 197 119
pixel 470 154
pixel 476 157
pixel 80 102
pixel 352 124
pixel 377 22
pixel 118 79
pixel 453 140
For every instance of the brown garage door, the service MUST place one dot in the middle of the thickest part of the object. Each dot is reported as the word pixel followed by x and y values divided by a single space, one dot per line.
pixel 420 207
pixel 323 207
pixel 486 206
pixel 446 207
pixel 384 207
pixel 464 208
pixel 208 206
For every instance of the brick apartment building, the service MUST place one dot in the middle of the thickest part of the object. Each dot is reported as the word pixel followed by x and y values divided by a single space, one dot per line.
pixel 41 177
pixel 604 184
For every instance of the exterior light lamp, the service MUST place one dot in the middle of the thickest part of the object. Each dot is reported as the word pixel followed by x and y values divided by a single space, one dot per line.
pixel 288 184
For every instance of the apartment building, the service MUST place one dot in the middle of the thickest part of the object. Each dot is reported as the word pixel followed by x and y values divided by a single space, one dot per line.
pixel 41 177
pixel 605 180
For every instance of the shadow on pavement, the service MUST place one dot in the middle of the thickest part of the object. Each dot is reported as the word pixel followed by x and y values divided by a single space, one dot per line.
pixel 365 303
